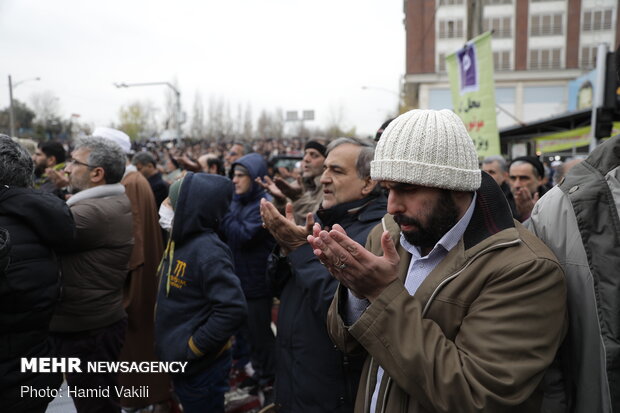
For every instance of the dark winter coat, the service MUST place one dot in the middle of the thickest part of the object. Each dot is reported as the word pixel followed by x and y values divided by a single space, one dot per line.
pixel 36 223
pixel 159 188
pixel 250 243
pixel 312 375
pixel 200 304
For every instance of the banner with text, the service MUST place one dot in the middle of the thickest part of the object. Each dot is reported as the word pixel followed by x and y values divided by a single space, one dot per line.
pixel 470 71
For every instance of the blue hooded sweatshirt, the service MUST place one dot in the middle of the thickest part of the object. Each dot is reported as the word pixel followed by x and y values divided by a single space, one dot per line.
pixel 250 243
pixel 200 304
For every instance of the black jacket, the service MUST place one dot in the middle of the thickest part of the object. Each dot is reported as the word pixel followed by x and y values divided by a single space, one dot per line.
pixel 200 304
pixel 37 223
pixel 159 188
pixel 312 375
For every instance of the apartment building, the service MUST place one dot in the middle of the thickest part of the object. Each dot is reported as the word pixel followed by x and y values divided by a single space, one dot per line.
pixel 538 47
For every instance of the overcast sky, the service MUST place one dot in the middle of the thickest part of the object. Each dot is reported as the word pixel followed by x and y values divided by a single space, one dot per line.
pixel 291 54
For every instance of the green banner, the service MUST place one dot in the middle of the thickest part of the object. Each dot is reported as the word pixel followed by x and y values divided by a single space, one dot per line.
pixel 470 71
pixel 567 140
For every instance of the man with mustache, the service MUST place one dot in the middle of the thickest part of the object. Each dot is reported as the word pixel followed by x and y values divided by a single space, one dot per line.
pixel 457 305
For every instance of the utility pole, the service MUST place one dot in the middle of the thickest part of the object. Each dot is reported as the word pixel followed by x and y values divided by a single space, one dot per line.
pixel 179 115
pixel 599 91
pixel 11 115
pixel 474 18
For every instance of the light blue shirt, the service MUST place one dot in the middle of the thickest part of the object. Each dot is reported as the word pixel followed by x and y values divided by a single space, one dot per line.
pixel 419 268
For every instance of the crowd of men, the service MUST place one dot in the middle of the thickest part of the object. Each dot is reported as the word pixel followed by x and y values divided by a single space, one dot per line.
pixel 408 275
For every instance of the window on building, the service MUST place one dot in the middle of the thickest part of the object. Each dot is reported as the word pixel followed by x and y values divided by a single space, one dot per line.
pixel 545 59
pixel 450 29
pixel 587 59
pixel 502 26
pixel 441 62
pixel 546 24
pixel 450 2
pixel 501 60
pixel 488 2
pixel 542 1
pixel 595 20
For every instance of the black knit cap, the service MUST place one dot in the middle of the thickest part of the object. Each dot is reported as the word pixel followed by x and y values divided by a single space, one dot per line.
pixel 532 161
pixel 315 145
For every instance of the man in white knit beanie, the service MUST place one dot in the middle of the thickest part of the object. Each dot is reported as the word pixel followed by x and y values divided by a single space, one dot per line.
pixel 458 307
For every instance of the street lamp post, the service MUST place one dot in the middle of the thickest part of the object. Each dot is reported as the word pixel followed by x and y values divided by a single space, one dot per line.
pixel 171 86
pixel 11 113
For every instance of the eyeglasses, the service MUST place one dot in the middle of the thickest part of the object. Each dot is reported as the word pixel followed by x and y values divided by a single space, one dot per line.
pixel 76 162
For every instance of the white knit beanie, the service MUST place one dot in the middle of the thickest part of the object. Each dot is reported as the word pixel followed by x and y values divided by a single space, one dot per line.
pixel 428 148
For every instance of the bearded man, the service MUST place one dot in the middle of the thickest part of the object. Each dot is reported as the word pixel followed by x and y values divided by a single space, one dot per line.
pixel 456 304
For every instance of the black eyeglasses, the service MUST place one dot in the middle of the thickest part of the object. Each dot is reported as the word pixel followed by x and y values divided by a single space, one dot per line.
pixel 76 162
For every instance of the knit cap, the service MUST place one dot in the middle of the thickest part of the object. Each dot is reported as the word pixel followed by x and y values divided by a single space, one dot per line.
pixel 316 145
pixel 174 191
pixel 428 148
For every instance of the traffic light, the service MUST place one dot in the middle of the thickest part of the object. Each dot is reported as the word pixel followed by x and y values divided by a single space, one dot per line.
pixel 610 110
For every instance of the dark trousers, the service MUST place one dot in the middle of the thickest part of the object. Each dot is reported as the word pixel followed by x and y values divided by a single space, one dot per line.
pixel 261 338
pixel 204 392
pixel 102 344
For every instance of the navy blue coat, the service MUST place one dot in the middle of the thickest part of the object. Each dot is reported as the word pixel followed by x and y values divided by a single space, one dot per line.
pixel 312 375
pixel 200 304
pixel 250 243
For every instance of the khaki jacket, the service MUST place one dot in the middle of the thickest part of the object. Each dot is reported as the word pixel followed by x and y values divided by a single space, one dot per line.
pixel 479 332
pixel 94 272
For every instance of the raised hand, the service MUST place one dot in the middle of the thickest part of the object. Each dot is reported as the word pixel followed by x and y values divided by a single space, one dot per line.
pixel 59 178
pixel 524 202
pixel 283 228
pixel 362 272
pixel 271 187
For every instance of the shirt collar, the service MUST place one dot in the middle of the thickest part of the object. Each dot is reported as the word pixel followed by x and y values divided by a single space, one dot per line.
pixel 450 238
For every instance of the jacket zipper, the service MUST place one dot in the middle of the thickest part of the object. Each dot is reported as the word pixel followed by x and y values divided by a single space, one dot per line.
pixel 426 307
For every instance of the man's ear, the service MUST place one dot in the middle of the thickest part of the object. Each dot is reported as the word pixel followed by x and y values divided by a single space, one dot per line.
pixel 369 185
pixel 51 161
pixel 97 175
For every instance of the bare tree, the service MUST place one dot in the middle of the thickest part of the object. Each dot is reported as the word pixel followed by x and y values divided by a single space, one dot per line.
pixel 247 123
pixel 335 123
pixel 46 106
pixel 171 115
pixel 197 130
pixel 270 125
pixel 215 119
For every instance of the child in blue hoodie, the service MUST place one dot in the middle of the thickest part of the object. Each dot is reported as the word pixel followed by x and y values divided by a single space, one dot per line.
pixel 200 304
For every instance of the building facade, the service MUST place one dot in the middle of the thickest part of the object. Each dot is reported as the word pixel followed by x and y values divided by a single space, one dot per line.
pixel 538 47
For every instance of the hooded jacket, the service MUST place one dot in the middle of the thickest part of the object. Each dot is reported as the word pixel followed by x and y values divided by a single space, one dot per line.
pixel 312 375
pixel 36 223
pixel 578 220
pixel 200 303
pixel 478 333
pixel 250 243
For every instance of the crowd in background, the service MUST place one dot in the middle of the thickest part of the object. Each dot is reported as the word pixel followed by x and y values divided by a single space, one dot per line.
pixel 246 259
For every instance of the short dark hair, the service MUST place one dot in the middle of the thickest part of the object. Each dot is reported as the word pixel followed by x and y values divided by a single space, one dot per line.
pixel 144 158
pixel 218 162
pixel 55 149
pixel 16 165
